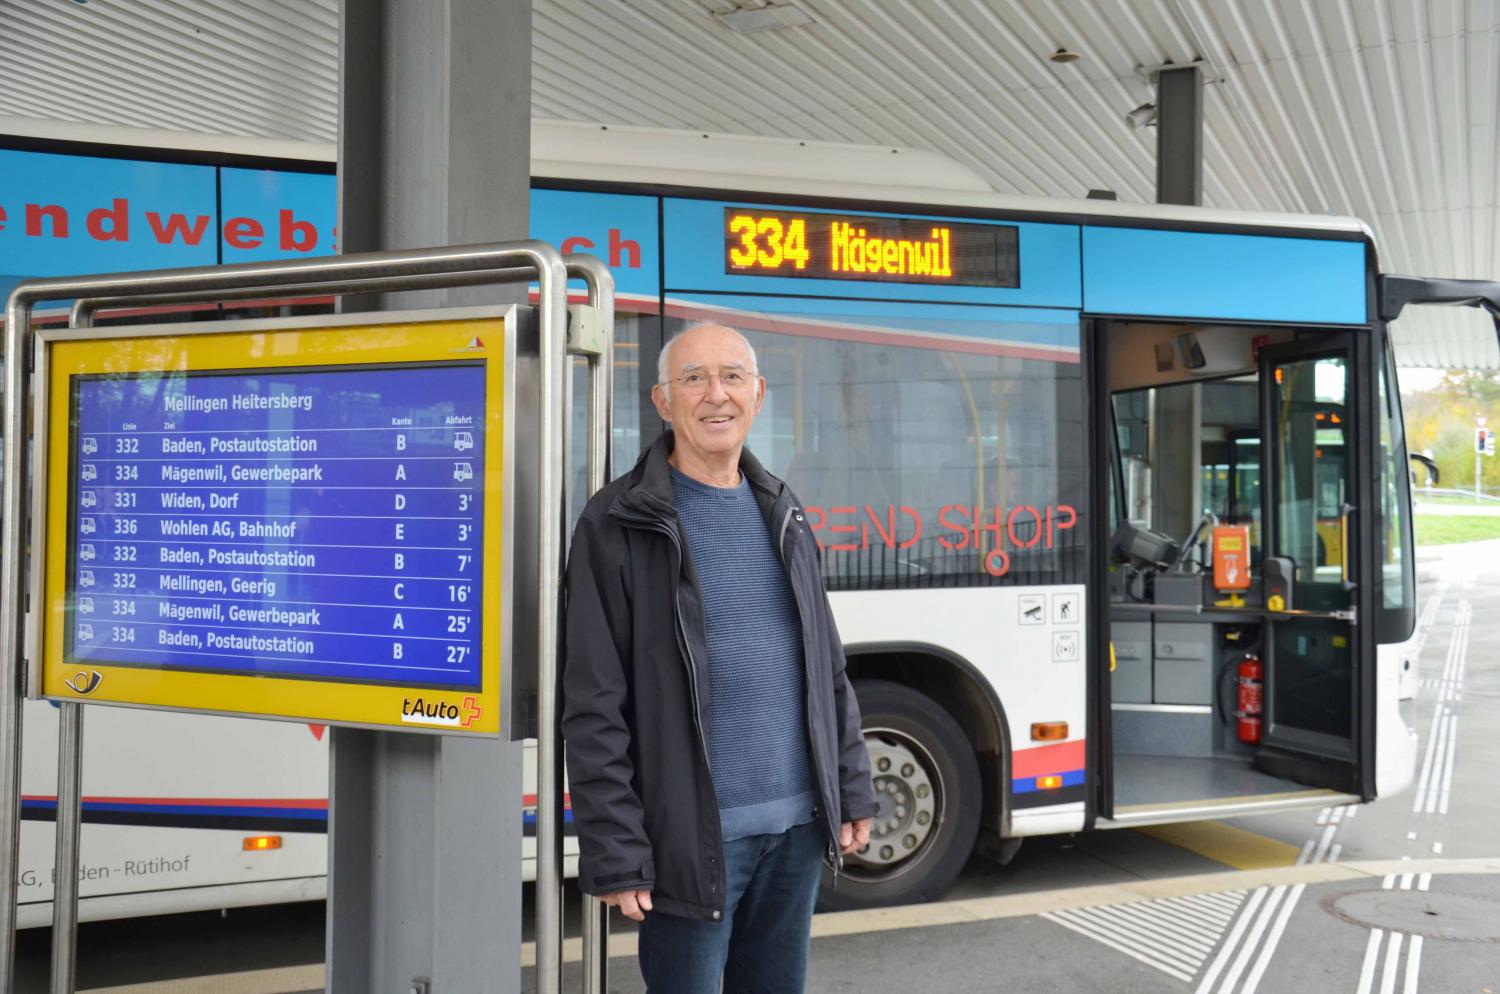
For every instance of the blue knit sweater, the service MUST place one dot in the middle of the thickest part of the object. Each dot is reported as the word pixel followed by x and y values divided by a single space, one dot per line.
pixel 758 726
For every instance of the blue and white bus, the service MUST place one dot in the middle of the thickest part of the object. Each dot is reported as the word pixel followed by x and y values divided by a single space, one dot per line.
pixel 1026 432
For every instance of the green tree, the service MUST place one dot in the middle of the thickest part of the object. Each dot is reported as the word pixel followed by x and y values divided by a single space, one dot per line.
pixel 1441 419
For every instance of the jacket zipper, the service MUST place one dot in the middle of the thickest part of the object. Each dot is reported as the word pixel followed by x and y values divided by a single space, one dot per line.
pixel 835 858
pixel 687 646
pixel 687 649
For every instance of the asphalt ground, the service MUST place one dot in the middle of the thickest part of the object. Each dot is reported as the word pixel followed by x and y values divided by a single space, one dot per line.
pixel 1402 895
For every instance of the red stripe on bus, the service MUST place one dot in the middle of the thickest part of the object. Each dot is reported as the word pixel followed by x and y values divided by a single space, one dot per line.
pixel 1060 757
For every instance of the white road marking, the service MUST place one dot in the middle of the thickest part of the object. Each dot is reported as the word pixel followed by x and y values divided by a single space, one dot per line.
pixel 1434 740
pixel 1267 912
pixel 1175 935
pixel 1269 949
pixel 1413 965
pixel 1119 947
pixel 1392 957
pixel 1234 937
pixel 1446 787
pixel 1367 968
pixel 1323 843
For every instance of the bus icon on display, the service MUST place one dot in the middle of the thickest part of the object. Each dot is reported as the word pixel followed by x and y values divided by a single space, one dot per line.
pixel 86 605
pixel 90 446
pixel 462 472
pixel 88 526
pixel 86 632
pixel 90 472
pixel 463 441
pixel 86 552
pixel 86 578
pixel 88 499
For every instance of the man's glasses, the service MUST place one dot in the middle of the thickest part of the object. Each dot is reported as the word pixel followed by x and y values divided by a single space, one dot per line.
pixel 697 381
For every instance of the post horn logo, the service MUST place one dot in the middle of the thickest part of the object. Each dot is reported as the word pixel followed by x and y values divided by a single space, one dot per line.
pixel 85 683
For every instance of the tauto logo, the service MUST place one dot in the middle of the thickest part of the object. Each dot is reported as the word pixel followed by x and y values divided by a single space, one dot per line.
pixel 443 714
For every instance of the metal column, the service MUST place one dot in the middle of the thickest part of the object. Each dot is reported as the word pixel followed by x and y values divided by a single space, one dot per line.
pixel 433 149
pixel 594 915
pixel 1179 136
pixel 69 826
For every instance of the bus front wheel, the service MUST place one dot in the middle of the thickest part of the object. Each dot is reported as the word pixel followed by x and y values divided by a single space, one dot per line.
pixel 927 788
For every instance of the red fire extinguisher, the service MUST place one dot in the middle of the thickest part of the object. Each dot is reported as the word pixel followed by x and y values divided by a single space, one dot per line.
pixel 1249 699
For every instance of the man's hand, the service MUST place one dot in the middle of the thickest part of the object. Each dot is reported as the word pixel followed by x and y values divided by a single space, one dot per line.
pixel 633 904
pixel 854 835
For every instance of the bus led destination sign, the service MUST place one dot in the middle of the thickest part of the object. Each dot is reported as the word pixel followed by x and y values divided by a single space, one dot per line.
pixel 880 249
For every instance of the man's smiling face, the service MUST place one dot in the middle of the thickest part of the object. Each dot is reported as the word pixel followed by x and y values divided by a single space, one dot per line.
pixel 710 417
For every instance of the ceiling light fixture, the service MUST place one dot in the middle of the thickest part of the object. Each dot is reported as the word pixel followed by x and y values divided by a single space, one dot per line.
pixel 1143 116
pixel 752 19
pixel 1064 56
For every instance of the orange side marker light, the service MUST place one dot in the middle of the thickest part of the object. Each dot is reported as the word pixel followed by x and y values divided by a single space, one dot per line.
pixel 1044 731
pixel 262 843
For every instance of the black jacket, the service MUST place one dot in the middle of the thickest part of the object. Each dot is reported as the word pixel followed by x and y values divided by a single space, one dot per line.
pixel 636 700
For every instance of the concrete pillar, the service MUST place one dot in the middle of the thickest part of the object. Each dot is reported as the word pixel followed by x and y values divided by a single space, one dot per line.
pixel 1179 136
pixel 425 832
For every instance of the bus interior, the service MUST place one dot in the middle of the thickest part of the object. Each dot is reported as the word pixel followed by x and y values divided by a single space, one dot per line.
pixel 1231 687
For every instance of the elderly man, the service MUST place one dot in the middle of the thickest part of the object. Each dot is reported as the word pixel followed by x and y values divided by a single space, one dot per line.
pixel 713 741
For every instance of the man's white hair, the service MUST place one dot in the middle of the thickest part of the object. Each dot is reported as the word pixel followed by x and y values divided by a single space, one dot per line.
pixel 664 360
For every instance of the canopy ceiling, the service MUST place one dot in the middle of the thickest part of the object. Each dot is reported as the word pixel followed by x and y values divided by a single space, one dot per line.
pixel 1381 109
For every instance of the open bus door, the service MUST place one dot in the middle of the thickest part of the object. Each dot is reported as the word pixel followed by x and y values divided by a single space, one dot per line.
pixel 1319 661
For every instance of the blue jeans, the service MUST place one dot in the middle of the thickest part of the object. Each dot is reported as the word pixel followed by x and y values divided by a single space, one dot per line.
pixel 760 946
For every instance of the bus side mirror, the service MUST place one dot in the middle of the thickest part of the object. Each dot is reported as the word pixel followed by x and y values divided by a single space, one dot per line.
pixel 1431 466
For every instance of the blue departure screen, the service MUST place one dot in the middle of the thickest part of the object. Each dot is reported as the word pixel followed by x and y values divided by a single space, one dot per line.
pixel 321 523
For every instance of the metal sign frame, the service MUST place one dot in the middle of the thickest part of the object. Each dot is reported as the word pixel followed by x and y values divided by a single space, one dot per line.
pixel 329 701
pixel 376 272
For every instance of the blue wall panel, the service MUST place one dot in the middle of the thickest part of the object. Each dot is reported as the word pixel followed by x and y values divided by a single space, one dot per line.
pixel 1237 277
pixel 277 215
pixel 66 215
pixel 618 228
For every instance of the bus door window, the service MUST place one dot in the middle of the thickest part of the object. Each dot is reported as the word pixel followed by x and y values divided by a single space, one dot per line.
pixel 1309 446
pixel 1311 687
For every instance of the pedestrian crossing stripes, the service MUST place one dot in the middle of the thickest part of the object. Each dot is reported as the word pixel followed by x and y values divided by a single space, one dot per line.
pixel 1175 935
